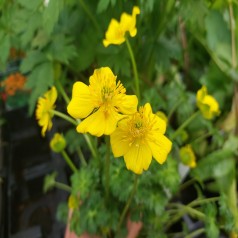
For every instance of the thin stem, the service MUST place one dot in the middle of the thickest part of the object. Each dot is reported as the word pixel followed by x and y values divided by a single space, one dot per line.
pixel 75 122
pixel 187 183
pixel 68 161
pixel 123 214
pixel 195 233
pixel 233 36
pixel 107 166
pixel 62 186
pixel 62 91
pixel 183 210
pixel 81 157
pixel 90 15
pixel 187 122
pixel 232 192
pixel 202 201
pixel 136 78
pixel 174 108
pixel 64 116
pixel 201 138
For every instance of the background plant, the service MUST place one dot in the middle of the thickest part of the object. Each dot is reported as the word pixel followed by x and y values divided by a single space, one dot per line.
pixel 179 46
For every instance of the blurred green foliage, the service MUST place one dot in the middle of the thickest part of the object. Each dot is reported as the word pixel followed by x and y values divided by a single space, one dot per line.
pixel 180 45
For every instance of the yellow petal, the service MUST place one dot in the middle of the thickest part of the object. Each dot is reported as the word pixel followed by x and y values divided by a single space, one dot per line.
pixel 52 95
pixel 119 144
pixel 160 147
pixel 99 123
pixel 159 124
pixel 135 11
pixel 138 158
pixel 81 104
pixel 114 34
pixel 126 104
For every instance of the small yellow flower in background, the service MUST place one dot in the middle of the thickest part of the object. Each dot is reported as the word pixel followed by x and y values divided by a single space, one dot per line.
pixel 187 156
pixel 139 137
pixel 73 202
pixel 207 104
pixel 117 30
pixel 44 105
pixel 58 143
pixel 102 103
pixel 162 115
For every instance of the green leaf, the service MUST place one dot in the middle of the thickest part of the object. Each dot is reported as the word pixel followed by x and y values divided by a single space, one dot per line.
pixel 83 182
pixel 207 166
pixel 74 140
pixel 32 59
pixel 49 181
pixel 62 49
pixel 23 18
pixel 212 229
pixel 62 212
pixel 102 5
pixel 85 52
pixel 4 47
pixel 40 40
pixel 216 29
pixel 31 5
pixel 51 14
pixel 39 80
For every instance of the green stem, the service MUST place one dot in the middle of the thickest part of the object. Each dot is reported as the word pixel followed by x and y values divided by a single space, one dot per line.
pixel 174 108
pixel 201 138
pixel 188 121
pixel 75 122
pixel 63 186
pixel 202 201
pixel 123 214
pixel 107 166
pixel 233 35
pixel 68 161
pixel 195 233
pixel 183 209
pixel 81 157
pixel 90 15
pixel 136 78
pixel 232 192
pixel 64 116
pixel 62 91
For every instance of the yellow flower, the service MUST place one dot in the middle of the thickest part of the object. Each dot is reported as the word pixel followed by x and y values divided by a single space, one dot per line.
pixel 101 103
pixel 139 137
pixel 207 104
pixel 187 156
pixel 117 30
pixel 58 143
pixel 44 105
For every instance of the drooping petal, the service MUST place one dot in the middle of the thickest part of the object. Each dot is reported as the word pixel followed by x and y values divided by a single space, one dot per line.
pixel 99 123
pixel 126 104
pixel 81 104
pixel 138 158
pixel 119 142
pixel 160 146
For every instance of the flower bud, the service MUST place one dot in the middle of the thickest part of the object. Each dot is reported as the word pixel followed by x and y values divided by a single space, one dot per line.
pixel 58 143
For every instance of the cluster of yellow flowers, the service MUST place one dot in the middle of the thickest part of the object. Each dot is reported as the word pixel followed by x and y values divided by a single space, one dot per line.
pixel 105 109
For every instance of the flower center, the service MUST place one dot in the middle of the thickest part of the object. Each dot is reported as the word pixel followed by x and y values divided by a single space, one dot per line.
pixel 106 93
pixel 139 126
